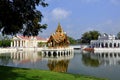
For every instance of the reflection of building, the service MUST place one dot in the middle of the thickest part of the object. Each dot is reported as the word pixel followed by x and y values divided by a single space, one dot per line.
pixel 24 57
pixel 103 58
pixel 25 41
pixel 108 58
pixel 58 39
pixel 105 42
pixel 21 57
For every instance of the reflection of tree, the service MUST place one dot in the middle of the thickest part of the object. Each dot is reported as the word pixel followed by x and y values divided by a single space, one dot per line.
pixel 4 58
pixel 88 61
pixel 58 66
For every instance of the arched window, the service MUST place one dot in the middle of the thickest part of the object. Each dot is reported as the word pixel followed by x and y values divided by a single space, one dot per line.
pixel 110 44
pixel 102 45
pixel 49 54
pixel 54 54
pixel 114 44
pixel 106 44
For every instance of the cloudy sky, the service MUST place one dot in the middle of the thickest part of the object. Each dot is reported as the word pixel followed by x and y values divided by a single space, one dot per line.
pixel 79 16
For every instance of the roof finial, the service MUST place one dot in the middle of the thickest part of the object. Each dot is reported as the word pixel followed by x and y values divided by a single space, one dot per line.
pixel 59 28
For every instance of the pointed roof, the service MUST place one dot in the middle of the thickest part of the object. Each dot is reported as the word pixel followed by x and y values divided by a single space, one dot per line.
pixel 59 28
pixel 59 35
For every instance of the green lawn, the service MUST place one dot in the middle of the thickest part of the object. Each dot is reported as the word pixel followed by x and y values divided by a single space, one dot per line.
pixel 10 73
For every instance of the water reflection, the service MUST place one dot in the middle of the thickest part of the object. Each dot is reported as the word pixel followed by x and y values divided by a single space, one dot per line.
pixel 19 57
pixel 101 58
pixel 5 58
pixel 88 60
pixel 58 63
pixel 58 66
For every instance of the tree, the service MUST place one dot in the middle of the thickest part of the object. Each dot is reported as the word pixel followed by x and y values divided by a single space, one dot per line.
pixel 72 40
pixel 21 16
pixel 118 35
pixel 5 41
pixel 88 36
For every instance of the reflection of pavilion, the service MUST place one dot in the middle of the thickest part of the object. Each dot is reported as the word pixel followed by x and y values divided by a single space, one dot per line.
pixel 58 66
pixel 59 63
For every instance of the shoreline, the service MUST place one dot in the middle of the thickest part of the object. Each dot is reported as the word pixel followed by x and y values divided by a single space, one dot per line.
pixel 35 74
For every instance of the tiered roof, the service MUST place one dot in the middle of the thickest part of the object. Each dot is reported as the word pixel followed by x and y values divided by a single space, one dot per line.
pixel 59 35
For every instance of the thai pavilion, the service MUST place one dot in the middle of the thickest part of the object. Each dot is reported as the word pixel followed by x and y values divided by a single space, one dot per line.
pixel 105 41
pixel 58 39
pixel 26 42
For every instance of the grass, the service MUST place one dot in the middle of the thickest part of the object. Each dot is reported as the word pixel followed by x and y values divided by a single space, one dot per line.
pixel 10 73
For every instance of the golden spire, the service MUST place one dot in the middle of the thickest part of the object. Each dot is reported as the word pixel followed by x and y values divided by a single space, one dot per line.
pixel 59 28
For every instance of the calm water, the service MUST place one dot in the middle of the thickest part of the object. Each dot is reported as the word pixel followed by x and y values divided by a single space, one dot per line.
pixel 104 65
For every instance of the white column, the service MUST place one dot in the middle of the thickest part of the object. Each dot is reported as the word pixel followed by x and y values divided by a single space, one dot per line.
pixel 112 45
pixel 11 44
pixel 14 43
pixel 20 43
pixel 23 43
pixel 100 45
pixel 17 43
pixel 108 44
pixel 104 44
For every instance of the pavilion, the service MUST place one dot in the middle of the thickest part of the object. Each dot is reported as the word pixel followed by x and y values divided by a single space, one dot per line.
pixel 58 39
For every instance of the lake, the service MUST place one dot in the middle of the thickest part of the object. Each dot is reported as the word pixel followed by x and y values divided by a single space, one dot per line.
pixel 100 64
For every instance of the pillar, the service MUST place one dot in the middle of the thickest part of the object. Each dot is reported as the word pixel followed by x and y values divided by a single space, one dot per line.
pixel 11 44
pixel 108 45
pixel 17 43
pixel 51 53
pixel 100 45
pixel 112 45
pixel 46 53
pixel 14 43
pixel 23 43
pixel 20 43
pixel 104 44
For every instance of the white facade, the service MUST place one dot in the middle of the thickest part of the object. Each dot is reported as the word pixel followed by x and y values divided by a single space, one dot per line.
pixel 105 41
pixel 26 42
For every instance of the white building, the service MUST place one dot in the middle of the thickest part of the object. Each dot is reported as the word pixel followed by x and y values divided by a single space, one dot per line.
pixel 26 42
pixel 105 41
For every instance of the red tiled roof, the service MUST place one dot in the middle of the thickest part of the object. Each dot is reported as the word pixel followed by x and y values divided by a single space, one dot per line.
pixel 27 38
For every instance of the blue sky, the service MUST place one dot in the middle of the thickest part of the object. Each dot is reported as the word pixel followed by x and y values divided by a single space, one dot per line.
pixel 79 16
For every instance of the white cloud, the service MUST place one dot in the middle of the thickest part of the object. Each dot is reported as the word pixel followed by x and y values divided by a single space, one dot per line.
pixel 59 13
